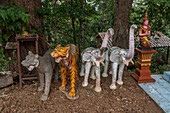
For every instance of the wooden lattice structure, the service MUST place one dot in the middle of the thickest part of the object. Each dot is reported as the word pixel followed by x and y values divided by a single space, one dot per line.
pixel 158 40
pixel 100 37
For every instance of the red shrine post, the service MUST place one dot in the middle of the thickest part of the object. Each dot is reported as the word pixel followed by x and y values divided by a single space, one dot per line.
pixel 142 72
pixel 144 51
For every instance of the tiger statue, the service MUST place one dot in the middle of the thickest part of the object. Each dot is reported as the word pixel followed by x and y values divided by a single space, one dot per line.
pixel 68 58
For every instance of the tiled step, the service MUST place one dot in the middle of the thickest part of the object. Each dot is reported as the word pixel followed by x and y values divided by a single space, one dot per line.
pixel 166 76
pixel 159 91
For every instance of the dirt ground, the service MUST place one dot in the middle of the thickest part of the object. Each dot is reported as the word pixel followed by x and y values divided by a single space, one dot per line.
pixel 129 98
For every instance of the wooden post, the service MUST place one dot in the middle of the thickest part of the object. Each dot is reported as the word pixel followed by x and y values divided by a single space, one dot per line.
pixel 167 55
pixel 142 73
pixel 19 64
pixel 36 44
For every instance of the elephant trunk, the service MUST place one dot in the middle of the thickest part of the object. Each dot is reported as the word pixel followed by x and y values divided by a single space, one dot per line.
pixel 131 45
pixel 109 33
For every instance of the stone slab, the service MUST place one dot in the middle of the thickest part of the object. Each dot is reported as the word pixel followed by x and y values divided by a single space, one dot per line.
pixel 166 76
pixel 5 81
pixel 158 91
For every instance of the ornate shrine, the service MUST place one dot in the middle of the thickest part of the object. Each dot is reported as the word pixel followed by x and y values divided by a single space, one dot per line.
pixel 144 51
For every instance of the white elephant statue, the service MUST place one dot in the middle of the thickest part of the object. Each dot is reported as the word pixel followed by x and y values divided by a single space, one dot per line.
pixel 91 58
pixel 90 61
pixel 119 57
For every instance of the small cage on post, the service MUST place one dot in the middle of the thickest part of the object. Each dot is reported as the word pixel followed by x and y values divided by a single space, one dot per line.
pixel 20 39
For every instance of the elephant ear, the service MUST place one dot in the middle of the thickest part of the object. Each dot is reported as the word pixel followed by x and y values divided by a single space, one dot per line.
pixel 95 53
pixel 86 57
pixel 114 56
pixel 93 58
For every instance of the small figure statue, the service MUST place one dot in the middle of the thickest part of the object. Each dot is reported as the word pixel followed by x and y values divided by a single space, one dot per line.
pixel 25 33
pixel 144 33
pixel 68 58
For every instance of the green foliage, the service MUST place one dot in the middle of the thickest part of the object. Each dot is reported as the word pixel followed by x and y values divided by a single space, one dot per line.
pixel 12 20
pixel 158 14
pixel 86 17
pixel 105 18
pixel 158 68
pixel 158 62
pixel 3 61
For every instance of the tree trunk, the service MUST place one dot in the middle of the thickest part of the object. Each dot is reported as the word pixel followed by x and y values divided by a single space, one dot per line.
pixel 35 21
pixel 55 22
pixel 121 23
pixel 73 27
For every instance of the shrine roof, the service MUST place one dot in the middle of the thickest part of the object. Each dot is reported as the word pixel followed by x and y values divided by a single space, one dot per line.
pixel 157 40
pixel 101 35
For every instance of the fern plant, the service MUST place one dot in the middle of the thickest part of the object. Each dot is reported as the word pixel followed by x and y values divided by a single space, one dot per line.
pixel 12 20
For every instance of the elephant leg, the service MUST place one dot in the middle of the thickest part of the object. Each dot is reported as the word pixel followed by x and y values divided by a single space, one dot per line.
pixel 48 77
pixel 98 87
pixel 120 75
pixel 92 73
pixel 82 69
pixel 41 77
pixel 87 70
pixel 110 70
pixel 105 69
pixel 114 75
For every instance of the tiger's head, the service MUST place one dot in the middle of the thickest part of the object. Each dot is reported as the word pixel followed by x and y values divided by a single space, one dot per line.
pixel 60 53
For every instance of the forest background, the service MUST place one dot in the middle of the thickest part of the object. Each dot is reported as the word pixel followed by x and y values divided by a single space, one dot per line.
pixel 78 22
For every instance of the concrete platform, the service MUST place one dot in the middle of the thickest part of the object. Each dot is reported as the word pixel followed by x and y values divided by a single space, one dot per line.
pixel 158 91
pixel 166 76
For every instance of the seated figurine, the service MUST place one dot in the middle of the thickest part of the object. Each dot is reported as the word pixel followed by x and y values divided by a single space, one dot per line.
pixel 67 57
pixel 144 33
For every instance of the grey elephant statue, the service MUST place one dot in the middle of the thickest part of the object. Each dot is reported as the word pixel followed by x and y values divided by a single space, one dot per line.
pixel 119 57
pixel 91 59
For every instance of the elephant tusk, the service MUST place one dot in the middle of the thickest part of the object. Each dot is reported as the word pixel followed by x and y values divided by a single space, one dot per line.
pixel 124 62
pixel 131 61
pixel 102 63
pixel 93 62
